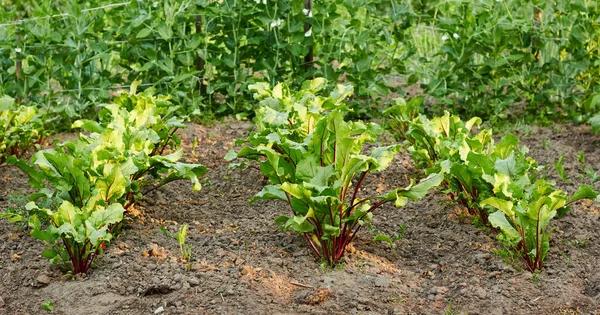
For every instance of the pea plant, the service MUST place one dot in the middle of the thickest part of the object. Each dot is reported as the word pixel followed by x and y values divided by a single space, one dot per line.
pixel 96 178
pixel 314 161
pixel 21 129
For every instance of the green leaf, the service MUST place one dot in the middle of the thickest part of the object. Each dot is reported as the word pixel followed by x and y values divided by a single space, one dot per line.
pixel 419 190
pixel 384 238
pixel 69 214
pixel 143 33
pixel 498 220
pixel 583 192
pixel 500 204
pixel 113 184
pixel 507 145
pixel 110 215
pixel 270 192
pixel 88 125
pixel 383 156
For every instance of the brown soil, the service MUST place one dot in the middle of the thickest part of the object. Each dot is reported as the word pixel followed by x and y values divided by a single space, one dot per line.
pixel 243 264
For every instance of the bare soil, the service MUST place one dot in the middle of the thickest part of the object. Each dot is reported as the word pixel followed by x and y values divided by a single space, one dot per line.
pixel 243 263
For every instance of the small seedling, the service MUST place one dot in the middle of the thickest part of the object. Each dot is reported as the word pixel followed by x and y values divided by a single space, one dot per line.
pixel 451 309
pixel 592 175
pixel 535 276
pixel 16 212
pixel 559 166
pixel 194 146
pixel 578 243
pixel 48 306
pixel 546 144
pixel 581 159
pixel 184 249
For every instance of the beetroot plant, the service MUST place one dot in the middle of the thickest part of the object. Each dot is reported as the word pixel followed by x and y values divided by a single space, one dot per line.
pixel 94 179
pixel 82 209
pixel 139 129
pixel 315 161
pixel 523 221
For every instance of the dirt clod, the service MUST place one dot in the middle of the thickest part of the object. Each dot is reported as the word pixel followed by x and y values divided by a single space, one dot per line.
pixel 317 296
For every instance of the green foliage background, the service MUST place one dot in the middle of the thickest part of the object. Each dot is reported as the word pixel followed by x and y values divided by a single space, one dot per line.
pixel 493 59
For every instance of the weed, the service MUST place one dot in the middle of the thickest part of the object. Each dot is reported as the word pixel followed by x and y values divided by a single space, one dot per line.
pixel 452 309
pixel 546 144
pixel 577 243
pixel 536 276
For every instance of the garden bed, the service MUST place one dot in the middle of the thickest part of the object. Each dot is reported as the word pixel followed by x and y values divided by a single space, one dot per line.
pixel 245 264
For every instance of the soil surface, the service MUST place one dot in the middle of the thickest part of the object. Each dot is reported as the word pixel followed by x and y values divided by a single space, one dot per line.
pixel 244 264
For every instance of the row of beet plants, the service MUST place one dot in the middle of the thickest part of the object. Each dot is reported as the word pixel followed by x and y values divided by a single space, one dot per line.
pixel 497 183
pixel 86 186
pixel 316 162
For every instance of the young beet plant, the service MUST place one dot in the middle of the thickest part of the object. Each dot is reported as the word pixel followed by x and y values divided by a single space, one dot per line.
pixel 98 176
pixel 83 207
pixel 137 130
pixel 524 221
pixel 447 145
pixel 314 162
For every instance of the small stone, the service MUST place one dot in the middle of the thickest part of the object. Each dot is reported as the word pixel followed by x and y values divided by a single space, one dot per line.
pixel 193 281
pixel 43 279
pixel 494 274
pixel 438 290
pixel 159 310
pixel 1 302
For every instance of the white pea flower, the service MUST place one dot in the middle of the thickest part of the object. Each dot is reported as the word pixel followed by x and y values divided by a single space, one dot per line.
pixel 308 33
pixel 455 36
pixel 276 23
pixel 18 50
pixel 445 37
pixel 307 12
pixel 263 1
pixel 155 4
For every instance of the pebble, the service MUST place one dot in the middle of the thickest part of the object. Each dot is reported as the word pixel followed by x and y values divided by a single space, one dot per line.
pixel 438 290
pixel 193 281
pixel 43 279
pixel 159 310
pixel 1 302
